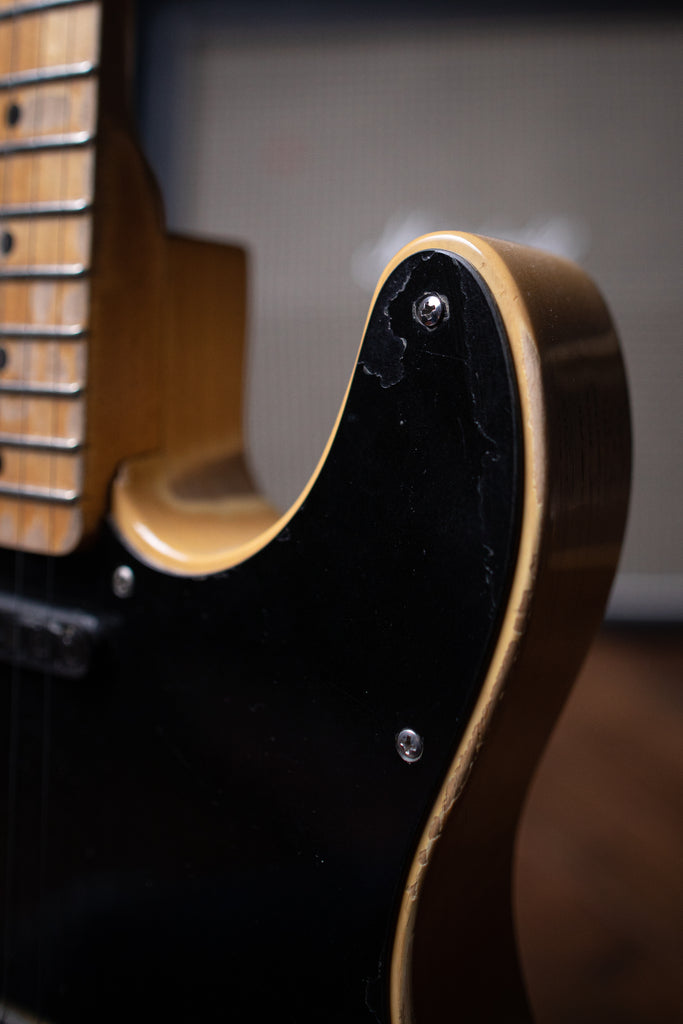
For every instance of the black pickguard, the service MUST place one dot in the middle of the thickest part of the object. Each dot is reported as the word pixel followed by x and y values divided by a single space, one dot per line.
pixel 214 822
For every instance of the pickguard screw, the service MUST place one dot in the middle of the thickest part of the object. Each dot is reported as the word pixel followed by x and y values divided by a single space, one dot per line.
pixel 409 745
pixel 123 581
pixel 430 310
pixel 73 647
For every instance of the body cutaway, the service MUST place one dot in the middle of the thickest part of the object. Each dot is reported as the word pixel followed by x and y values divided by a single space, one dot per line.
pixel 223 817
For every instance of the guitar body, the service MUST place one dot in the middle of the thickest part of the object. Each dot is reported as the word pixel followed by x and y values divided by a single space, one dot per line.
pixel 213 806
pixel 217 814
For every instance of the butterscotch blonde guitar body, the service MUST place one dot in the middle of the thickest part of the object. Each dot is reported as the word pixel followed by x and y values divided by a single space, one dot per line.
pixel 270 766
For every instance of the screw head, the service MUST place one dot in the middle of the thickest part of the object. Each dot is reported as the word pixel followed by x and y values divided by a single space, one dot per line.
pixel 123 581
pixel 430 310
pixel 73 647
pixel 409 745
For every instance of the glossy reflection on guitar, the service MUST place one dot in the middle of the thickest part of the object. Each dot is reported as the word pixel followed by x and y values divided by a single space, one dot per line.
pixel 262 766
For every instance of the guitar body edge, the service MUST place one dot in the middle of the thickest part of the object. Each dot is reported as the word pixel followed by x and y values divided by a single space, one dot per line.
pixel 455 940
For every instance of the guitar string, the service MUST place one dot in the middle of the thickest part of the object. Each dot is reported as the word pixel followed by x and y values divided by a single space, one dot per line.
pixel 27 377
pixel 48 675
pixel 69 22
pixel 43 789
pixel 50 367
pixel 15 672
pixel 27 351
pixel 14 638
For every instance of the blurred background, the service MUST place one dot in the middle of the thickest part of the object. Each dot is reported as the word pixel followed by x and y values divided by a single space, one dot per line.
pixel 325 136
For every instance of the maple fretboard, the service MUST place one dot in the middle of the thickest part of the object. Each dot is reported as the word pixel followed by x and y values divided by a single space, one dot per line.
pixel 49 57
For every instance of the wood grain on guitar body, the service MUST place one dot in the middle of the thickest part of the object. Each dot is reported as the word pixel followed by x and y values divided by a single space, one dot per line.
pixel 274 771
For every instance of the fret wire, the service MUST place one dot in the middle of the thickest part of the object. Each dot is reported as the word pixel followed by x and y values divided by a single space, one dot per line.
pixel 71 140
pixel 56 332
pixel 38 76
pixel 47 271
pixel 56 494
pixel 40 443
pixel 8 332
pixel 35 6
pixel 48 208
pixel 43 390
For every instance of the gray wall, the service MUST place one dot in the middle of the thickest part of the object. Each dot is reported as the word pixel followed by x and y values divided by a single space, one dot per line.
pixel 325 146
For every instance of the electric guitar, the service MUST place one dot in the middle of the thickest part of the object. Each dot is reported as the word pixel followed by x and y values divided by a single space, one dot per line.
pixel 262 766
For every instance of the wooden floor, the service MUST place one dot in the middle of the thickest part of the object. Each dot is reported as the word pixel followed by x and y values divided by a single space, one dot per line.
pixel 600 863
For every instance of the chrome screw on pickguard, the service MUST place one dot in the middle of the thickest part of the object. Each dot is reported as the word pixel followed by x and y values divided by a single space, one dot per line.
pixel 123 581
pixel 430 310
pixel 409 745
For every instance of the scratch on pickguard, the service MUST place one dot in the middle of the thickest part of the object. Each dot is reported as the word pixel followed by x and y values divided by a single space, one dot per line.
pixel 371 987
pixel 445 355
pixel 383 350
pixel 490 454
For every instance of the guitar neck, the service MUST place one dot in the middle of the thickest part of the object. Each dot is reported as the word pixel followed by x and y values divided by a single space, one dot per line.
pixel 49 58
pixel 108 326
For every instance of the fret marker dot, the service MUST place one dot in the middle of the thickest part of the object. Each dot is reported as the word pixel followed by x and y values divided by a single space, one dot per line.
pixel 13 114
pixel 6 242
pixel 3 358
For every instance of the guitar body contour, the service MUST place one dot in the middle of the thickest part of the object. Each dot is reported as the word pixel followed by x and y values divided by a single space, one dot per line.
pixel 271 768
pixel 222 818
